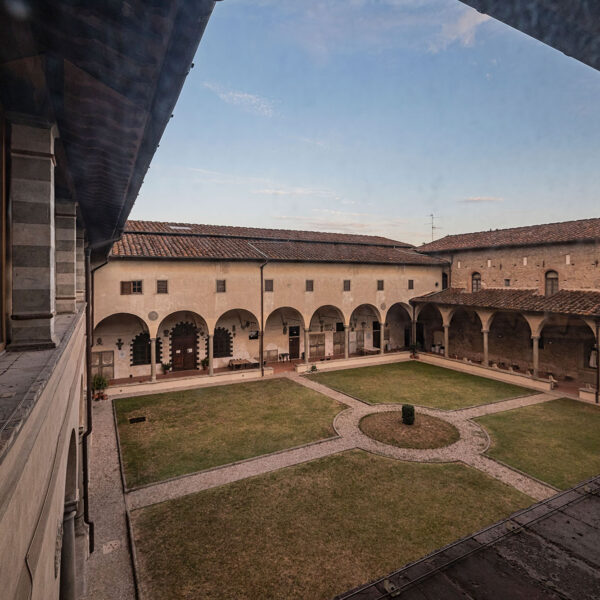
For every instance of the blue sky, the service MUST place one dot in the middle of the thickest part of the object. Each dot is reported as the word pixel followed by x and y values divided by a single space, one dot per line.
pixel 368 115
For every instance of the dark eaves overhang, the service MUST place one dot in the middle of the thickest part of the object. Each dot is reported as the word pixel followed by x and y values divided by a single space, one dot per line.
pixel 108 73
pixel 570 26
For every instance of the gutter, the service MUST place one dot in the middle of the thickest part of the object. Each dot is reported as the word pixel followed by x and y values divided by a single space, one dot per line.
pixel 261 349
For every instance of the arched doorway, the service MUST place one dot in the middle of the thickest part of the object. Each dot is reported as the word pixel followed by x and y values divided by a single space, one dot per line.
pixel 430 330
pixel 399 324
pixel 236 335
pixel 284 333
pixel 365 330
pixel 327 334
pixel 184 346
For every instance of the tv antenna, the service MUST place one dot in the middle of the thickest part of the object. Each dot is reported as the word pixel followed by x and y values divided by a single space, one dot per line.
pixel 433 225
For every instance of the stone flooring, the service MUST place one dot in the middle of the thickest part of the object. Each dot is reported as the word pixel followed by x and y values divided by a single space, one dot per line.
pixel 108 503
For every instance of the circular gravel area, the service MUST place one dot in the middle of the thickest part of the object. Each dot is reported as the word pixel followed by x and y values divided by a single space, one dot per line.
pixel 426 432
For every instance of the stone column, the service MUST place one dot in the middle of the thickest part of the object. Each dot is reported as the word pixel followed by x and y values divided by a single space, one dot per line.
pixel 210 355
pixel 80 265
pixel 346 341
pixel 306 345
pixel 32 238
pixel 536 354
pixel 67 555
pixel 153 359
pixel 381 338
pixel 64 235
pixel 486 357
pixel 447 341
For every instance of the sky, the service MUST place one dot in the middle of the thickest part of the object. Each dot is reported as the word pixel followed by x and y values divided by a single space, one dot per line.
pixel 367 116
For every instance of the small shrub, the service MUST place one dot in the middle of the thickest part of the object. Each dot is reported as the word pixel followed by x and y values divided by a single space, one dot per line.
pixel 313 369
pixel 204 362
pixel 166 367
pixel 408 414
pixel 99 383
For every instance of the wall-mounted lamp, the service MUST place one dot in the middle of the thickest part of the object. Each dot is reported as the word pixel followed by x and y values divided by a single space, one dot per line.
pixel 166 333
pixel 99 341
pixel 119 343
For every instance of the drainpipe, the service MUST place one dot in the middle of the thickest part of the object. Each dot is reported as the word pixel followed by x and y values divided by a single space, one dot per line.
pixel 89 332
pixel 261 341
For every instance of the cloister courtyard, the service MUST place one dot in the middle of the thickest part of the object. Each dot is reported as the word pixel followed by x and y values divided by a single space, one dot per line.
pixel 308 486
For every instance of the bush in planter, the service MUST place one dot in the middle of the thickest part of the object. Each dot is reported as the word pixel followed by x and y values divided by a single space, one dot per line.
pixel 313 369
pixel 166 367
pixel 408 414
pixel 99 384
pixel 204 362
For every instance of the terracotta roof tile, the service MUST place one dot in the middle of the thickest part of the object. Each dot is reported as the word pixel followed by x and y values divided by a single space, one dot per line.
pixel 207 247
pixel 573 302
pixel 550 233
pixel 258 233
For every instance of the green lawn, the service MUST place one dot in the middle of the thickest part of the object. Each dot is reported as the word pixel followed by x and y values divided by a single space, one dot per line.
pixel 557 442
pixel 314 530
pixel 193 430
pixel 418 383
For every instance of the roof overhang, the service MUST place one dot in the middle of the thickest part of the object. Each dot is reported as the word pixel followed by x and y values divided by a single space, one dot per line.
pixel 571 27
pixel 108 73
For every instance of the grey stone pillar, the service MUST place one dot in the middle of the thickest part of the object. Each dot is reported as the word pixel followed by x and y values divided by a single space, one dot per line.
pixel 65 213
pixel 536 354
pixel 447 341
pixel 153 359
pixel 346 341
pixel 68 590
pixel 32 238
pixel 381 338
pixel 210 355
pixel 80 265
pixel 486 346
pixel 306 345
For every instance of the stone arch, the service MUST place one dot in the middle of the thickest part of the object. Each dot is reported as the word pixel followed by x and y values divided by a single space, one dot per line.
pixel 164 333
pixel 399 323
pixel 243 326
pixel 510 343
pixel 464 335
pixel 284 334
pixel 327 336
pixel 365 328
pixel 430 328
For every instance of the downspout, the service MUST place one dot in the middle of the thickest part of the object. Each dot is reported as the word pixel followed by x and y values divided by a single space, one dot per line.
pixel 88 396
pixel 261 342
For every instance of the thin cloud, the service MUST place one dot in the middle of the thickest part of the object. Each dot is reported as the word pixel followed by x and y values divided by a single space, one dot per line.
pixel 296 191
pixel 461 30
pixel 251 103
pixel 221 178
pixel 481 200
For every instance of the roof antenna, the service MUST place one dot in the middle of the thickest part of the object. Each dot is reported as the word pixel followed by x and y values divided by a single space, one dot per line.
pixel 432 223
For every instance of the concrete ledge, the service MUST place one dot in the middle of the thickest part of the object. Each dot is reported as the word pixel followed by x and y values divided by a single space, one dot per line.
pixel 587 395
pixel 185 383
pixel 355 361
pixel 541 385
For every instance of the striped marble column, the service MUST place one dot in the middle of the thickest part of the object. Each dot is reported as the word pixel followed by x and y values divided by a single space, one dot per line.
pixel 32 238
pixel 80 265
pixel 65 223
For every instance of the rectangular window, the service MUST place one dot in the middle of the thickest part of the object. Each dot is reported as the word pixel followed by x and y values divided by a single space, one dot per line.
pixel 489 262
pixel 411 284
pixel 162 286
pixel 458 265
pixel 380 285
pixel 507 283
pixel 310 285
pixel 268 285
pixel 524 261
pixel 346 285
pixel 131 287
pixel 221 288
pixel 568 259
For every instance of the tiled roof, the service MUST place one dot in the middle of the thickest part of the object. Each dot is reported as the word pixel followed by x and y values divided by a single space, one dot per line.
pixel 550 233
pixel 573 302
pixel 207 247
pixel 258 233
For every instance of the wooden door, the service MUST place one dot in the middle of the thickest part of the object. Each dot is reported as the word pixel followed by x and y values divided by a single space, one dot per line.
pixel 317 345
pixel 339 343
pixel 376 334
pixel 184 354
pixel 294 345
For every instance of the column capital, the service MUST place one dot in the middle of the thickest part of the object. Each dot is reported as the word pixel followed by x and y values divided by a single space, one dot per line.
pixel 484 331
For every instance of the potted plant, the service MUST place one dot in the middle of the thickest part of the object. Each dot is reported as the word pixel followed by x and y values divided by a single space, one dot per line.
pixel 166 367
pixel 204 363
pixel 413 350
pixel 99 384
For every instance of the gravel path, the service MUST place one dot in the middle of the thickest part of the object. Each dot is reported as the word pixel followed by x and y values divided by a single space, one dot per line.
pixel 469 449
